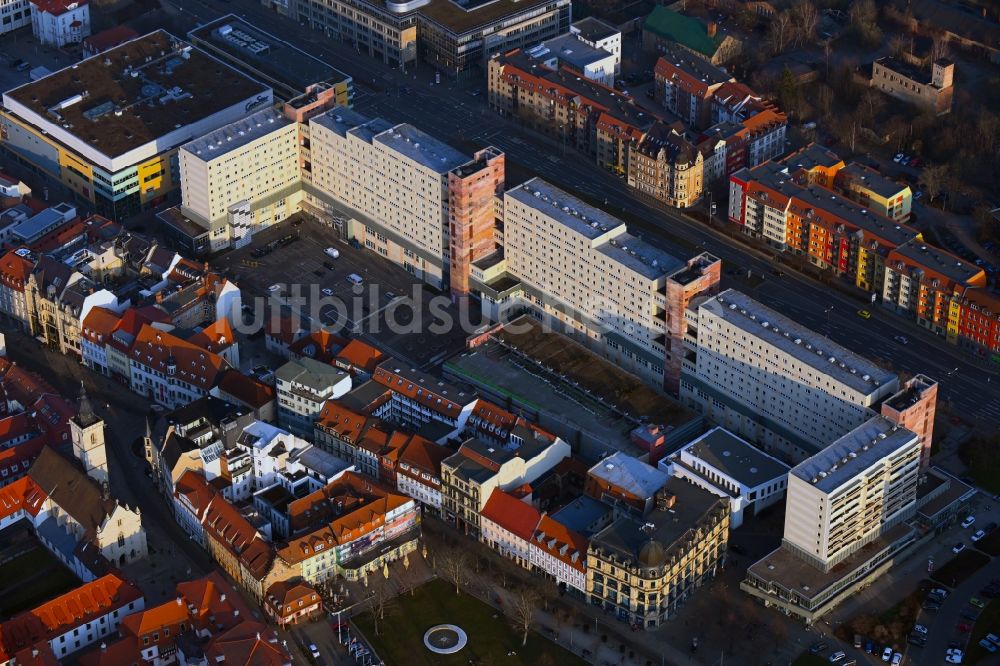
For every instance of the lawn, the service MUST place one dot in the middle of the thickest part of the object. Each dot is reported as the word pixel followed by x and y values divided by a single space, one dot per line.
pixel 987 623
pixel 402 631
pixel 32 579
pixel 960 567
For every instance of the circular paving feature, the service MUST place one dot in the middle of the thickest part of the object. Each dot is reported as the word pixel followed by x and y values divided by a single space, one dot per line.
pixel 445 639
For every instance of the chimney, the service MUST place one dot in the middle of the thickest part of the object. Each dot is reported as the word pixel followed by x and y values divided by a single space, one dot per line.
pixel 713 28
pixel 180 602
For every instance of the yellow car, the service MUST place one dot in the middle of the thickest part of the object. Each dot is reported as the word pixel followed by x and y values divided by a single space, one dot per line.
pixel 864 314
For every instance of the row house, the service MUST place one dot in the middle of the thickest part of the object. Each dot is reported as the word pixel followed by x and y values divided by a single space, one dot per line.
pixel 171 371
pixel 665 165
pixel 206 621
pixel 363 526
pixel 360 359
pixel 15 270
pixel 518 531
pixel 72 621
pixel 419 398
pixel 303 386
pixel 409 463
pixel 471 474
pixel 240 548
pixel 219 339
pixel 578 112
pixel 288 603
pixel 921 281
pixel 685 84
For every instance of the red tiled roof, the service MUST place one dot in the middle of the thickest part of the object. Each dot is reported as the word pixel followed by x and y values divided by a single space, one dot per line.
pixel 288 593
pixel 195 366
pixel 320 345
pixel 246 389
pixel 424 455
pixel 21 495
pixel 215 338
pixel 358 354
pixel 346 424
pixel 216 602
pixel 196 490
pixel 247 644
pixel 517 517
pixel 110 38
pixel 168 614
pixel 14 271
pixel 99 324
pixel 561 542
pixel 73 609
pixel 57 7
pixel 20 456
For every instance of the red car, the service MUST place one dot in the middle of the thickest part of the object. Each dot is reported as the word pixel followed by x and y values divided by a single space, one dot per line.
pixel 964 628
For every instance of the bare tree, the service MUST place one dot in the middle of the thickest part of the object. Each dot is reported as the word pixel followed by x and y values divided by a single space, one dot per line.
pixel 523 607
pixel 806 18
pixel 864 20
pixel 934 177
pixel 872 103
pixel 454 564
pixel 939 49
pixel 781 31
pixel 823 98
pixel 899 45
pixel 382 602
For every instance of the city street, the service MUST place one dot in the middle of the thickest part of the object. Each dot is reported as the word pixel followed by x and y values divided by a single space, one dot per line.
pixel 455 113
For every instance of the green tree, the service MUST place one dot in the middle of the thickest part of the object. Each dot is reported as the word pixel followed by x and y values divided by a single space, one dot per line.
pixel 789 92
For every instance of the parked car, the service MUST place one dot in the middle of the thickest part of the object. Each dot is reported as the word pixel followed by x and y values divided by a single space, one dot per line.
pixel 314 651
pixel 977 602
pixel 993 638
pixel 327 291
pixel 274 288
pixel 963 627
pixel 897 658
pixel 918 194
pixel 332 252
pixel 836 656
pixel 958 548
pixel 898 158
pixel 978 535
pixel 902 339
pixel 858 639
pixel 355 279
pixel 953 656
pixel 931 606
pixel 988 646
pixel 887 653
pixel 864 314
pixel 968 522
pixel 920 629
pixel 816 648
pixel 969 614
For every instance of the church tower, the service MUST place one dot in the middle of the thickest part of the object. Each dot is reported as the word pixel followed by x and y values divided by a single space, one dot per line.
pixel 87 431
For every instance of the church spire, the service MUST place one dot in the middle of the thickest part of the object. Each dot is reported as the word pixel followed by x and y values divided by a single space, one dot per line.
pixel 85 410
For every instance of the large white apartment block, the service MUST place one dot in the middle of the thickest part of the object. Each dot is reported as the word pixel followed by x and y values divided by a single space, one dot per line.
pixel 600 35
pixel 242 177
pixel 395 178
pixel 773 381
pixel 848 494
pixel 579 266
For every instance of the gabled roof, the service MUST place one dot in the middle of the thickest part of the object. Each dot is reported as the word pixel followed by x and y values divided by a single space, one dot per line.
pixel 168 614
pixel 154 349
pixel 72 490
pixel 346 424
pixel 517 517
pixel 360 355
pixel 247 390
pixel 215 601
pixel 215 338
pixel 196 490
pixel 99 324
pixel 14 270
pixel 76 608
pixel 561 542
pixel 288 593
pixel 320 345
pixel 247 644
pixel 21 495
pixel 424 455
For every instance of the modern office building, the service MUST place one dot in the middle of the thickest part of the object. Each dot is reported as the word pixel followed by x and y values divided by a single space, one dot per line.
pixel 642 569
pixel 844 520
pixel 774 382
pixel 289 70
pixel 394 182
pixel 451 36
pixel 731 467
pixel 109 126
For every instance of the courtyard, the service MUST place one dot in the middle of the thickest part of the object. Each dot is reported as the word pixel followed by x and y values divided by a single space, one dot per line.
pixel 32 578
pixel 490 634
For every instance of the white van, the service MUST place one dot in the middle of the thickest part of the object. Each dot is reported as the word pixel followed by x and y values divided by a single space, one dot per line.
pixel 332 252
pixel 354 278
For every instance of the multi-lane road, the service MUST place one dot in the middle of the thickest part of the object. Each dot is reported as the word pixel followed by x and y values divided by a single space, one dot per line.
pixel 458 113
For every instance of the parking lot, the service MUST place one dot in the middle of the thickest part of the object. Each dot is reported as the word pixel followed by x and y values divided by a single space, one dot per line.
pixel 381 308
pixel 22 45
